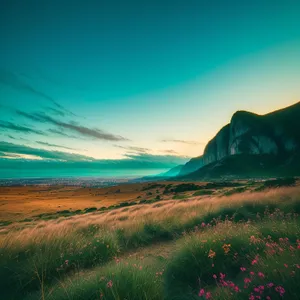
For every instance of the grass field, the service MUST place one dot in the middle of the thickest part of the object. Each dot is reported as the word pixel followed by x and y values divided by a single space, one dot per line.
pixel 162 241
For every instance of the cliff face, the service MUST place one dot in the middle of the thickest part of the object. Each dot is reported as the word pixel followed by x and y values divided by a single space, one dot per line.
pixel 277 133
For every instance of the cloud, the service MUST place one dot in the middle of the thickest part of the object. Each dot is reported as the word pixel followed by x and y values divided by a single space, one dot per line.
pixel 133 148
pixel 11 137
pixel 10 79
pixel 61 133
pixel 20 128
pixel 182 142
pixel 162 159
pixel 53 145
pixel 15 149
pixel 56 111
pixel 72 160
pixel 170 151
pixel 82 130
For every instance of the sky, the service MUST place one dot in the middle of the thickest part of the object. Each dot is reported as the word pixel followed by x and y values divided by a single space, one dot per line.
pixel 136 85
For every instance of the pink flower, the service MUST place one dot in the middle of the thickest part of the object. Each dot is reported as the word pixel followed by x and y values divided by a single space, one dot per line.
pixel 261 275
pixel 222 276
pixel 247 280
pixel 252 273
pixel 254 261
pixel 270 285
pixel 109 284
pixel 243 269
pixel 268 298
pixel 279 289
pixel 286 265
pixel 201 293
pixel 208 295
pixel 215 276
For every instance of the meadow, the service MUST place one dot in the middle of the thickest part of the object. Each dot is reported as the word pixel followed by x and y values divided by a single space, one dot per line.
pixel 238 240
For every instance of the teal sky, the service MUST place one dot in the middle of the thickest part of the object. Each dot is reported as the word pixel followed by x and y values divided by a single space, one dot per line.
pixel 143 84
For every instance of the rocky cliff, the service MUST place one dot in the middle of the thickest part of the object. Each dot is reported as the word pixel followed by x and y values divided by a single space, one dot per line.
pixel 276 133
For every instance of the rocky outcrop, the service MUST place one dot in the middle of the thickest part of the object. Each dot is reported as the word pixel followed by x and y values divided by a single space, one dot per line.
pixel 277 133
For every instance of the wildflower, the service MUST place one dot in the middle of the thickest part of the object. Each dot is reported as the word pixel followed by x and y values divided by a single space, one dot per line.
pixel 254 261
pixel 261 275
pixel 211 254
pixel 252 273
pixel 203 224
pixel 109 284
pixel 215 276
pixel 242 269
pixel 279 289
pixel 222 276
pixel 208 295
pixel 268 298
pixel 247 280
pixel 236 289
pixel 201 293
pixel 226 248
pixel 286 265
pixel 270 285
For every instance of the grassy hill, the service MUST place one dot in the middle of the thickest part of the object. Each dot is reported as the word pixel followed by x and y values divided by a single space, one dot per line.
pixel 226 240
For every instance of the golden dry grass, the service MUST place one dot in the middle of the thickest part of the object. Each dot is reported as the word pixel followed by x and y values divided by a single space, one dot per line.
pixel 133 218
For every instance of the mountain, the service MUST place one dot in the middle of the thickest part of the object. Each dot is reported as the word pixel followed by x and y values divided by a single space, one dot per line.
pixel 251 144
pixel 173 172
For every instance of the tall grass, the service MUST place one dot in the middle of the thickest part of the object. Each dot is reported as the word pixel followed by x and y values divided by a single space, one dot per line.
pixel 119 280
pixel 34 258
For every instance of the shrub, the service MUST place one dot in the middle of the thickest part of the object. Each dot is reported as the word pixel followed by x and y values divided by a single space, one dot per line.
pixel 203 193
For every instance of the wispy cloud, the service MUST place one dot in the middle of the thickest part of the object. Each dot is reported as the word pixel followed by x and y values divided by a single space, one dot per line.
pixel 182 142
pixel 54 145
pixel 135 161
pixel 10 148
pixel 20 128
pixel 61 133
pixel 164 159
pixel 10 79
pixel 133 148
pixel 56 111
pixel 72 126
pixel 170 151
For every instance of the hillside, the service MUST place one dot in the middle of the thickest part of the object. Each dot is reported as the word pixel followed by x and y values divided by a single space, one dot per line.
pixel 223 239
pixel 272 137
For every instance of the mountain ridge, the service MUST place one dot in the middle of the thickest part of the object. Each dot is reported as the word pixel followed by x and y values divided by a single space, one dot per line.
pixel 276 134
